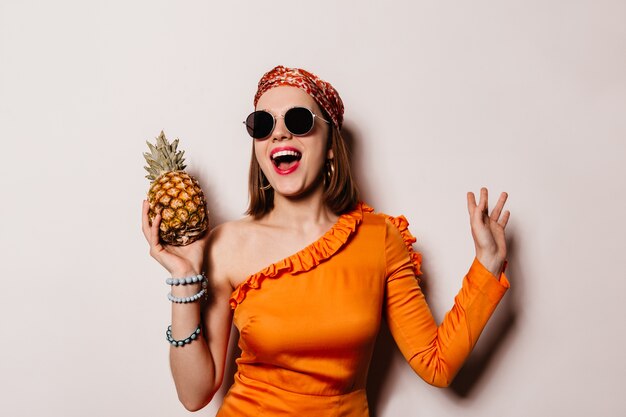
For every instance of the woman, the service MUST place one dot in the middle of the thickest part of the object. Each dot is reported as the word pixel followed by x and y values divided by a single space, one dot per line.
pixel 308 275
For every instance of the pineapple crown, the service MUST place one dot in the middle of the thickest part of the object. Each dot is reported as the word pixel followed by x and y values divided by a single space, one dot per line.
pixel 163 158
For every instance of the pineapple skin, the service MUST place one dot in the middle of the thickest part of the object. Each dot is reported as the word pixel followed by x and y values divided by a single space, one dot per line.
pixel 177 196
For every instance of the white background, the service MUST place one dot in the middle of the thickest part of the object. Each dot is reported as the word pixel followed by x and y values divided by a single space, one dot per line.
pixel 442 97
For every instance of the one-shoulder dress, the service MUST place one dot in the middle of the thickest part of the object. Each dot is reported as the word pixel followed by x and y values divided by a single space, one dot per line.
pixel 308 323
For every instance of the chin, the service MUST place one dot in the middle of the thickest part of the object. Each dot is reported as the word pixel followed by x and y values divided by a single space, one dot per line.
pixel 297 191
pixel 290 192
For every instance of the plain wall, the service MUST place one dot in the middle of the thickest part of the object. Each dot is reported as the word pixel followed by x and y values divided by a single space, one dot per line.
pixel 442 97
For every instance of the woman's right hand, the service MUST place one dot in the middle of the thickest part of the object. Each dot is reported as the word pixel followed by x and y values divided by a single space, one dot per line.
pixel 180 261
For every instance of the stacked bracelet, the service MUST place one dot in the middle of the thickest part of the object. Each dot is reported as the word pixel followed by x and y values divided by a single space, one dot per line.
pixel 183 342
pixel 185 281
pixel 185 300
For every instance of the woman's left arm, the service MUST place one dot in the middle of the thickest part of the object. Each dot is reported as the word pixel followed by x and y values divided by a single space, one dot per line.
pixel 488 230
pixel 437 352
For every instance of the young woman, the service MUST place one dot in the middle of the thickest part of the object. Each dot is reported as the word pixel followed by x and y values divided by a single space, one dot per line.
pixel 310 273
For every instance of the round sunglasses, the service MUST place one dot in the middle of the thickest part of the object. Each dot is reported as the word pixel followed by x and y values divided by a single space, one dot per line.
pixel 298 120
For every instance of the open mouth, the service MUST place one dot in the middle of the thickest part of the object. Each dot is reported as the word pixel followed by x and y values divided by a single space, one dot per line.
pixel 286 159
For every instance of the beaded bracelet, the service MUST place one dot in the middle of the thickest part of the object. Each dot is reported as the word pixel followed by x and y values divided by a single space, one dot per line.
pixel 185 300
pixel 186 281
pixel 191 298
pixel 183 342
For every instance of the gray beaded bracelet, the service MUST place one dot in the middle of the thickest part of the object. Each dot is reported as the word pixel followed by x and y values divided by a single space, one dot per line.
pixel 185 300
pixel 183 342
pixel 186 281
pixel 191 298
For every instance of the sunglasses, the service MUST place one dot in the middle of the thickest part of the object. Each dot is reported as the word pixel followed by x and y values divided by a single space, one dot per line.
pixel 298 120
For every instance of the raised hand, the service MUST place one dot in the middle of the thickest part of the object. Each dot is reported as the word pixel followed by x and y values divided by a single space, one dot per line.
pixel 180 261
pixel 488 230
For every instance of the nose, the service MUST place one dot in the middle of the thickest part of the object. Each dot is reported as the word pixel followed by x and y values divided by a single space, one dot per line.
pixel 280 130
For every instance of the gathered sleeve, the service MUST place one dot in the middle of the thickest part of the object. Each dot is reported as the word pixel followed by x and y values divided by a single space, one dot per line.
pixel 436 353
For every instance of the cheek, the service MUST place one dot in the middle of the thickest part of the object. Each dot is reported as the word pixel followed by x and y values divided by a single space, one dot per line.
pixel 259 151
pixel 260 154
pixel 318 157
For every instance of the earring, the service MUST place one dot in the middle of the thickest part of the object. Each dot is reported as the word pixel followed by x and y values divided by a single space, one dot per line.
pixel 264 187
pixel 330 171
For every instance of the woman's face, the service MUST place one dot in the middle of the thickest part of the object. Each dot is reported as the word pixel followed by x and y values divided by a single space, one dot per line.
pixel 303 157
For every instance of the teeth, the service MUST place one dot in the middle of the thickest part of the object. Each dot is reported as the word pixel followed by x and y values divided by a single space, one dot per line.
pixel 285 153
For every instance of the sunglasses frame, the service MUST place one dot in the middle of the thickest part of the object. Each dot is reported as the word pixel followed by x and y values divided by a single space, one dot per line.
pixel 315 116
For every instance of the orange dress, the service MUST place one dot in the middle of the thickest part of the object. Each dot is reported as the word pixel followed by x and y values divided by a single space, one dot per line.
pixel 308 323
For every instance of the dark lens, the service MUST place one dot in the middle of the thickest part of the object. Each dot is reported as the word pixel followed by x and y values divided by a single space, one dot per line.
pixel 299 120
pixel 260 124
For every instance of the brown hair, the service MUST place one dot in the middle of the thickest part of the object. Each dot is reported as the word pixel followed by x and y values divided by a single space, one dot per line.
pixel 340 192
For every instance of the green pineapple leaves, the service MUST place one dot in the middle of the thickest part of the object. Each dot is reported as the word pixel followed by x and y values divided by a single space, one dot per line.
pixel 163 158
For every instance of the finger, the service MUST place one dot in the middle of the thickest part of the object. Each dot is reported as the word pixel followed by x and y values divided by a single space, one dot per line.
pixel 495 214
pixel 154 232
pixel 482 203
pixel 504 219
pixel 484 196
pixel 145 220
pixel 471 203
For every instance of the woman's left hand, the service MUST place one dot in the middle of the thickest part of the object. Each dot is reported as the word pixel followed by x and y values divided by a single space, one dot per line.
pixel 488 230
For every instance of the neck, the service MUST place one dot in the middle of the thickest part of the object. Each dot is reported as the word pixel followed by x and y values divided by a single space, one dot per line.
pixel 301 211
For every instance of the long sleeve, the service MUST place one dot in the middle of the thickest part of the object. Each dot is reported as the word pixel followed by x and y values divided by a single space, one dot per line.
pixel 436 353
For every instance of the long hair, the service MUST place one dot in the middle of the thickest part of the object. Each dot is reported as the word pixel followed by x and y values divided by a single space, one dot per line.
pixel 340 191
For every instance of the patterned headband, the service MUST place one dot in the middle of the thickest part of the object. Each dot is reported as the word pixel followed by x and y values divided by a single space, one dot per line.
pixel 324 93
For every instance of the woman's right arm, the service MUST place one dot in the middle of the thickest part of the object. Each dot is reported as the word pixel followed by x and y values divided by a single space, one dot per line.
pixel 198 367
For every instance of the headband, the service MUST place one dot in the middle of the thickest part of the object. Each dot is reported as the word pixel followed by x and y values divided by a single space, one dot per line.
pixel 323 93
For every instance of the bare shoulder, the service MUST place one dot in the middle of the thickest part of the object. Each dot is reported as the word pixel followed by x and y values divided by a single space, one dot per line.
pixel 230 235
pixel 227 242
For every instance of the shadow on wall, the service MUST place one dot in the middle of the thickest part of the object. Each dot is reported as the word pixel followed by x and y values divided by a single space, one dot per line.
pixel 501 326
pixel 470 377
pixel 498 330
pixel 349 133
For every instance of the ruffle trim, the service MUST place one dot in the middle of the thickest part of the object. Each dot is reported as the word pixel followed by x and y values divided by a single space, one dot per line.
pixel 309 257
pixel 402 224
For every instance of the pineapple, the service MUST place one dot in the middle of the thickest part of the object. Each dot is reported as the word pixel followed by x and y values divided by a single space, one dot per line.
pixel 174 194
